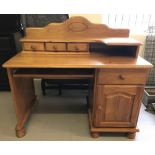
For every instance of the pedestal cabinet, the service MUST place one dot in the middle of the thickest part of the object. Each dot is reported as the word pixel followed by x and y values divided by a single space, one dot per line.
pixel 118 94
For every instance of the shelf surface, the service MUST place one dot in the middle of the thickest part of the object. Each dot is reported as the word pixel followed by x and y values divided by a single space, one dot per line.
pixel 121 41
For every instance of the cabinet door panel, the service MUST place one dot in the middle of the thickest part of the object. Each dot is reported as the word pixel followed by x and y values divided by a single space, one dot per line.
pixel 117 105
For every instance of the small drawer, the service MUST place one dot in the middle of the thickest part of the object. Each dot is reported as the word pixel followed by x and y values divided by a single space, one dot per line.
pixel 77 47
pixel 33 46
pixel 121 76
pixel 55 47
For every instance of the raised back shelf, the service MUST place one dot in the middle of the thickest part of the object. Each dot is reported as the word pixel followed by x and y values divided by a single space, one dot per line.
pixel 75 36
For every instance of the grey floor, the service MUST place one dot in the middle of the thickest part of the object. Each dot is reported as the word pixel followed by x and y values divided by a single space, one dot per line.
pixel 63 118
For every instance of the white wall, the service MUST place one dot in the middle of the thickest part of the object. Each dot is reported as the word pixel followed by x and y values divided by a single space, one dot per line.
pixel 95 18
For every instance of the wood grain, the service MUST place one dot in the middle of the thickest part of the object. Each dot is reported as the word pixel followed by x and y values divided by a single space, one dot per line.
pixel 62 51
pixel 116 105
pixel 122 76
pixel 24 97
pixel 47 60
pixel 94 131
pixel 76 34
pixel 74 28
pixel 121 41
pixel 33 46
pixel 56 47
pixel 78 47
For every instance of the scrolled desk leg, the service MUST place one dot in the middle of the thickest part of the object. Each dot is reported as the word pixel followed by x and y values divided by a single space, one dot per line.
pixel 95 134
pixel 131 135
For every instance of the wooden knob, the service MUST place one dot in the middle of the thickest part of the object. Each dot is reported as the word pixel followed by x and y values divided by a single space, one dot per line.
pixel 121 77
pixel 76 48
pixel 99 107
pixel 33 47
pixel 55 48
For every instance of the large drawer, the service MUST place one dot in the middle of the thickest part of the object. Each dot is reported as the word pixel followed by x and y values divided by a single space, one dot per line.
pixel 56 47
pixel 77 47
pixel 33 46
pixel 121 76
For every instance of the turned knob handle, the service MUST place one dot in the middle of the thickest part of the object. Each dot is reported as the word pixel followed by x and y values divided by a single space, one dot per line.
pixel 121 77
pixel 33 47
pixel 55 48
pixel 76 48
pixel 99 107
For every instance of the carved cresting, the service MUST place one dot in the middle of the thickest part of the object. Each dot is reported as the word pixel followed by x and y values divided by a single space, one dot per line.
pixel 75 28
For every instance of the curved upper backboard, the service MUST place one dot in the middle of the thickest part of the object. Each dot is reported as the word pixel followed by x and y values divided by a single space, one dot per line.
pixel 75 28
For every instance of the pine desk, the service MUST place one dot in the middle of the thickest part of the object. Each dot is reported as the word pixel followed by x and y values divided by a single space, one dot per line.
pixel 117 74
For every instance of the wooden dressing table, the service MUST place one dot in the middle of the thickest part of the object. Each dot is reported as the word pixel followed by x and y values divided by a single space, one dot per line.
pixel 62 51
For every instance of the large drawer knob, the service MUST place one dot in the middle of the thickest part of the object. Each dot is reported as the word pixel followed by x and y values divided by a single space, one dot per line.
pixel 121 77
pixel 99 107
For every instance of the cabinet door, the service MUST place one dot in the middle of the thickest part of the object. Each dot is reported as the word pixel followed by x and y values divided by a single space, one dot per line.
pixel 117 105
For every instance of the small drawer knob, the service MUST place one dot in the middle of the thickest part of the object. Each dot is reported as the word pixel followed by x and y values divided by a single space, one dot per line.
pixel 33 47
pixel 76 48
pixel 121 77
pixel 55 48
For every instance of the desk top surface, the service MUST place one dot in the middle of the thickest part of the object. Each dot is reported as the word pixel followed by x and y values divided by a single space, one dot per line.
pixel 93 60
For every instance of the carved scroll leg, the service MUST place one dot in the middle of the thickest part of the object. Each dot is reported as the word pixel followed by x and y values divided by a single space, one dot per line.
pixel 95 134
pixel 131 135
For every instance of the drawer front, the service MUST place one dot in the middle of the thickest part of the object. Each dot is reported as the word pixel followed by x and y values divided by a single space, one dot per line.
pixel 77 47
pixel 121 76
pixel 5 44
pixel 33 46
pixel 56 47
